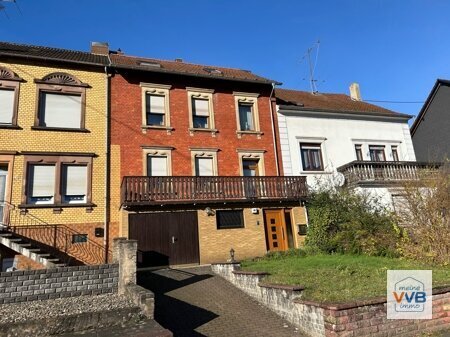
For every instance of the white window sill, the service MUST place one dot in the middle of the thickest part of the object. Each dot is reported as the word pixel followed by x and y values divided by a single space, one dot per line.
pixel 169 129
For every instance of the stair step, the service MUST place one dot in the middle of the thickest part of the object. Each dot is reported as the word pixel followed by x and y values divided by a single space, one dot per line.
pixel 5 235
pixel 34 249
pixel 24 244
pixel 44 255
pixel 15 240
pixel 53 259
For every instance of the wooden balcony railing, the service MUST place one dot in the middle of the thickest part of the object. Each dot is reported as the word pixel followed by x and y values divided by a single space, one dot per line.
pixel 160 190
pixel 387 172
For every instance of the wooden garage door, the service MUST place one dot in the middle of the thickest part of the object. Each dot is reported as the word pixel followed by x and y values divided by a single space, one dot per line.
pixel 165 238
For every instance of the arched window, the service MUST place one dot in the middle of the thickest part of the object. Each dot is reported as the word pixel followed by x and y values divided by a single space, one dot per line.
pixel 9 97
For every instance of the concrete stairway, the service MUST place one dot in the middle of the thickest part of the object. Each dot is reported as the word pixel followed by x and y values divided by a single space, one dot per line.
pixel 30 249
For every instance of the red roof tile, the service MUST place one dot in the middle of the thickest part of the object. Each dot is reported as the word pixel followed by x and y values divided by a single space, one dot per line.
pixel 329 102
pixel 148 64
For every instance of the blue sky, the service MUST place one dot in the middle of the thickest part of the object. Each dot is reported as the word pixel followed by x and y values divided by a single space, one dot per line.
pixel 395 50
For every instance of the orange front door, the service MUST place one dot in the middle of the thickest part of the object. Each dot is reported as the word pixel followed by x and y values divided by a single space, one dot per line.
pixel 275 230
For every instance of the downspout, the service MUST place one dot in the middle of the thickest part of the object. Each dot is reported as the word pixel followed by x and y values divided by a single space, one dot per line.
pixel 273 129
pixel 108 163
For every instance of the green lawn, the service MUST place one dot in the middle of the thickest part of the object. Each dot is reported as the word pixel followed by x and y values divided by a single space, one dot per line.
pixel 338 278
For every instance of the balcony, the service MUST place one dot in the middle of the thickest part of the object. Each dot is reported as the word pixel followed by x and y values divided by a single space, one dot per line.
pixel 141 191
pixel 384 173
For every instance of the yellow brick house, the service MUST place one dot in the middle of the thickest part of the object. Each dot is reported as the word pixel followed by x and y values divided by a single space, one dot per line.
pixel 53 155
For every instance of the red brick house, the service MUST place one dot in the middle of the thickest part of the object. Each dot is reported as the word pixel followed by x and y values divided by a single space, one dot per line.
pixel 194 163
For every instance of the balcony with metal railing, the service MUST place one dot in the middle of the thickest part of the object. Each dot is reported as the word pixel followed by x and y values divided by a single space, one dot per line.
pixel 140 191
pixel 385 172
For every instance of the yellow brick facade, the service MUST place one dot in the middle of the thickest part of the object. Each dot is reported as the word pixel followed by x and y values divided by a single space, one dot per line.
pixel 26 139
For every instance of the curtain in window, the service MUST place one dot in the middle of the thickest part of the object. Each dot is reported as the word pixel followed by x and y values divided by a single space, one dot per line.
pixel 75 180
pixel 246 117
pixel 200 107
pixel 155 104
pixel 6 106
pixel 60 110
pixel 42 181
pixel 156 166
pixel 204 167
pixel 315 159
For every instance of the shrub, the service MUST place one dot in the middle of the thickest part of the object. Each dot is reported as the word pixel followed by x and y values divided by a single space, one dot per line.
pixel 343 221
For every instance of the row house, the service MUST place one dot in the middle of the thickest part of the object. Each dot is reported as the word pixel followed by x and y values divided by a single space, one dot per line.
pixel 182 157
pixel 337 139
pixel 53 108
pixel 196 152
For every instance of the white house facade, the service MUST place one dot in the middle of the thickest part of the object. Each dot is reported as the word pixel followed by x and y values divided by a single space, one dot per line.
pixel 321 134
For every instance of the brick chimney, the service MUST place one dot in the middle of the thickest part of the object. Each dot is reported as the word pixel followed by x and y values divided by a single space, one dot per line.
pixel 355 94
pixel 101 48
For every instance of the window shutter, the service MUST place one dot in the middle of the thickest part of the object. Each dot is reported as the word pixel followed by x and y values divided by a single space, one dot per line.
pixel 59 110
pixel 200 107
pixel 75 180
pixel 155 104
pixel 6 106
pixel 157 166
pixel 204 166
pixel 42 180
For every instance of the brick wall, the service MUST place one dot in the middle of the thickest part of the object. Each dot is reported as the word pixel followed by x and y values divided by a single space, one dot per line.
pixel 356 319
pixel 30 285
pixel 215 244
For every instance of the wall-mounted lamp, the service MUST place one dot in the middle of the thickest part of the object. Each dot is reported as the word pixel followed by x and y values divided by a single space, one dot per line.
pixel 232 255
pixel 209 211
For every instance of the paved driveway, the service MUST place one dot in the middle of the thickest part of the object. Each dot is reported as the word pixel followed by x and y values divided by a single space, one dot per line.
pixel 195 302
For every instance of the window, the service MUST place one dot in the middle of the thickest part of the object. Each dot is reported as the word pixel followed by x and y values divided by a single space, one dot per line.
pixel 311 157
pixel 251 162
pixel 247 113
pixel 61 102
pixel 377 153
pixel 359 154
pixel 204 166
pixel 79 238
pixel 41 184
pixel 204 162
pixel 157 161
pixel 155 106
pixel 246 118
pixel 59 110
pixel 394 150
pixel 57 180
pixel 230 219
pixel 200 110
pixel 7 99
pixel 75 184
pixel 250 167
pixel 156 166
pixel 155 109
pixel 9 96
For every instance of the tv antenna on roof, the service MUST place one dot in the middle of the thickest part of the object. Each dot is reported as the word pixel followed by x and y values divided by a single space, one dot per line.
pixel 3 7
pixel 312 65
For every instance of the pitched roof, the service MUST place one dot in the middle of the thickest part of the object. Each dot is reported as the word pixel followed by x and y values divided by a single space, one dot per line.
pixel 184 68
pixel 424 109
pixel 340 103
pixel 52 54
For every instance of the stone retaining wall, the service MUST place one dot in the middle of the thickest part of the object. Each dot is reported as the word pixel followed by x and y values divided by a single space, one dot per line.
pixel 367 318
pixel 31 285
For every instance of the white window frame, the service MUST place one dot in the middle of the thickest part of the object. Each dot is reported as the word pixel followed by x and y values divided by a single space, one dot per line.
pixel 206 94
pixel 327 166
pixel 247 98
pixel 365 143
pixel 159 90
pixel 204 153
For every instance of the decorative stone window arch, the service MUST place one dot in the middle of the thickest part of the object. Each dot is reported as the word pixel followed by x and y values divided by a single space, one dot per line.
pixel 9 93
pixel 60 103
pixel 244 154
pixel 157 151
